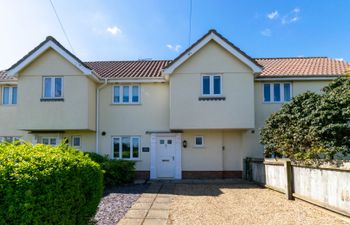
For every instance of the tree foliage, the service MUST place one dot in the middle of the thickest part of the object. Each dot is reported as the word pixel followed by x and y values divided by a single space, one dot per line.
pixel 311 126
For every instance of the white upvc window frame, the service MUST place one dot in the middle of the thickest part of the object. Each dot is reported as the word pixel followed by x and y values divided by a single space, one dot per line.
pixel 13 138
pixel 282 99
pixel 211 84
pixel 53 87
pixel 121 150
pixel 121 92
pixel 76 146
pixel 49 140
pixel 195 142
pixel 10 95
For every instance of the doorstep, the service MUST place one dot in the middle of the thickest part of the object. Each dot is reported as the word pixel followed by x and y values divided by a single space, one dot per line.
pixel 152 208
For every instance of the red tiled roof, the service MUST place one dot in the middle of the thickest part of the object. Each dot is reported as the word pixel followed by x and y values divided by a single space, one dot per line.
pixel 3 75
pixel 129 69
pixel 302 67
pixel 273 67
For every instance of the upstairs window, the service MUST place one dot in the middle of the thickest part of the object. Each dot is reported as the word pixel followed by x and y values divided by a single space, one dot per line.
pixel 126 94
pixel 277 92
pixel 9 95
pixel 211 85
pixel 53 87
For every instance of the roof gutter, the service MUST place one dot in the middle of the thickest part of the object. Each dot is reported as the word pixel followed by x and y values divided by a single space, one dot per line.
pixel 296 78
pixel 8 82
pixel 99 88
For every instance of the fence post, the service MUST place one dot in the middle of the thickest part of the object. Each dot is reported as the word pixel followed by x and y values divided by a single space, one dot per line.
pixel 289 179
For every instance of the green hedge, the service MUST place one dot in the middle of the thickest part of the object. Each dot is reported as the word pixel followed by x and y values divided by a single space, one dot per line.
pixel 116 171
pixel 47 185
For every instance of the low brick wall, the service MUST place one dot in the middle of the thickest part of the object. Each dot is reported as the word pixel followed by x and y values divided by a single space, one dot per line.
pixel 143 175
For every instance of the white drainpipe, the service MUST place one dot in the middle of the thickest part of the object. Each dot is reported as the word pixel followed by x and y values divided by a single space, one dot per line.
pixel 98 114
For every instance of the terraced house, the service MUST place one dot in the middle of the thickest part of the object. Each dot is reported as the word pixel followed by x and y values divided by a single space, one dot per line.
pixel 198 115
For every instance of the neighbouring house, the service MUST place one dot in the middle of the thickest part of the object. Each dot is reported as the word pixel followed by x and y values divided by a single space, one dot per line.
pixel 196 116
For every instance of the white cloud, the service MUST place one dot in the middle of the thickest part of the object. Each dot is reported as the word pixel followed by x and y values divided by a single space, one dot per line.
pixel 296 10
pixel 114 30
pixel 175 48
pixel 291 17
pixel 273 15
pixel 267 32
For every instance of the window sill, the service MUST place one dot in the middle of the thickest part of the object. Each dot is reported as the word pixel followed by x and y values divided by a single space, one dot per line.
pixel 132 103
pixel 198 146
pixel 52 99
pixel 275 102
pixel 8 105
pixel 212 98
pixel 136 160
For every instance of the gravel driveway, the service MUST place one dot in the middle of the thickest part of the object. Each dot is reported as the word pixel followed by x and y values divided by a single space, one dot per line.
pixel 116 202
pixel 242 204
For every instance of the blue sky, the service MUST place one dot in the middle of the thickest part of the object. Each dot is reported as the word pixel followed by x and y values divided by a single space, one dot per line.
pixel 159 29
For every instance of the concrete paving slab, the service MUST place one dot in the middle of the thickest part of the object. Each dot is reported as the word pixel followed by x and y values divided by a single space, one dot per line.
pixel 163 206
pixel 136 213
pixel 158 214
pixel 162 200
pixel 142 205
pixel 145 200
pixel 127 221
pixel 155 222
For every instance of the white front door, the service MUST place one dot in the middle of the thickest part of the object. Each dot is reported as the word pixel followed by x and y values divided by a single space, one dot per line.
pixel 166 157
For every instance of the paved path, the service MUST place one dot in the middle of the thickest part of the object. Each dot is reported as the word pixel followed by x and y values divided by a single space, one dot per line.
pixel 152 208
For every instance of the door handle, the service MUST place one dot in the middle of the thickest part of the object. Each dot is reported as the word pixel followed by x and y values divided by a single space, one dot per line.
pixel 165 160
pixel 173 158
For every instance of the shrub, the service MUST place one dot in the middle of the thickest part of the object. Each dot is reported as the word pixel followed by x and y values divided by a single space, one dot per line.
pixel 115 171
pixel 97 157
pixel 42 184
pixel 119 172
pixel 311 126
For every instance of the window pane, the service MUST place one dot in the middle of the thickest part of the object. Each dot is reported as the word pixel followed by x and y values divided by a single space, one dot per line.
pixel 199 141
pixel 267 95
pixel 14 95
pixel 45 141
pixel 47 87
pixel 116 98
pixel 161 142
pixel 206 85
pixel 287 92
pixel 170 142
pixel 58 87
pixel 53 141
pixel 125 147
pixel 116 147
pixel 276 92
pixel 217 85
pixel 76 141
pixel 135 147
pixel 135 93
pixel 125 93
pixel 6 96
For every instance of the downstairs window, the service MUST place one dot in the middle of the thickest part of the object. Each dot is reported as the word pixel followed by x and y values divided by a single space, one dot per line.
pixel 126 147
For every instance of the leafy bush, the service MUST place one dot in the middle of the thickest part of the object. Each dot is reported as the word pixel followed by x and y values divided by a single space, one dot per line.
pixel 42 184
pixel 115 171
pixel 119 172
pixel 97 157
pixel 311 126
